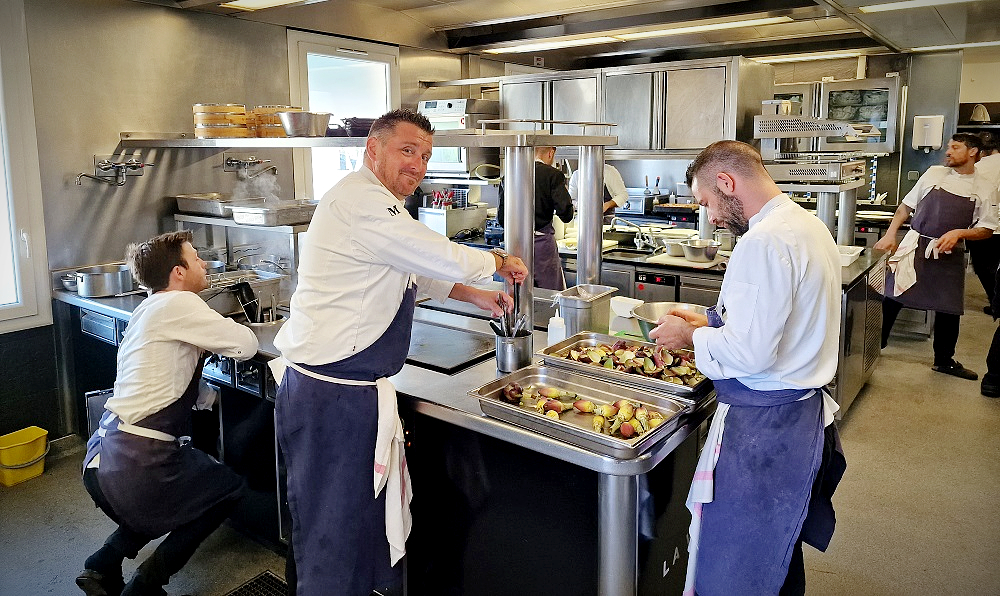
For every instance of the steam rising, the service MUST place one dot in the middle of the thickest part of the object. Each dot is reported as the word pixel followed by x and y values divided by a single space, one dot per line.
pixel 262 185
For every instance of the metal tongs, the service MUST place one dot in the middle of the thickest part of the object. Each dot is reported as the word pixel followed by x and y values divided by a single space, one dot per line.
pixel 513 323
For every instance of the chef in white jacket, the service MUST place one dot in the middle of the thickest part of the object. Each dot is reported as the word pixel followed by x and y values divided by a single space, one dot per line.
pixel 615 193
pixel 362 264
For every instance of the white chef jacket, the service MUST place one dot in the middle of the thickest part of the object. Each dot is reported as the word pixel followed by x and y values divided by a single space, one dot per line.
pixel 356 260
pixel 612 181
pixel 964 185
pixel 780 301
pixel 164 339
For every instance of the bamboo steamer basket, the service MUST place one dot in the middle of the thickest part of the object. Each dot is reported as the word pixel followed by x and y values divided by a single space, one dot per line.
pixel 224 108
pixel 221 131
pixel 271 131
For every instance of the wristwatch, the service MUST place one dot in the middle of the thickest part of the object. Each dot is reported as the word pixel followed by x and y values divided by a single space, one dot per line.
pixel 503 256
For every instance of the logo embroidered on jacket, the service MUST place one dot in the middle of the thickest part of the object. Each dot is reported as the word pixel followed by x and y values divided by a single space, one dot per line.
pixel 394 210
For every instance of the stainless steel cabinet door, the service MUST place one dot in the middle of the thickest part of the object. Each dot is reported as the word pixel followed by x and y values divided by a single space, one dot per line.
pixel 700 290
pixel 628 102
pixel 695 107
pixel 523 100
pixel 619 276
pixel 576 100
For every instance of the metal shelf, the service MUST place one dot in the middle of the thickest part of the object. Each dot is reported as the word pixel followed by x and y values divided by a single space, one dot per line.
pixel 977 126
pixel 186 140
pixel 228 223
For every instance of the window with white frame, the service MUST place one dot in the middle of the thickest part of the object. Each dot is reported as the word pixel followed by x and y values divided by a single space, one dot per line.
pixel 24 283
pixel 349 79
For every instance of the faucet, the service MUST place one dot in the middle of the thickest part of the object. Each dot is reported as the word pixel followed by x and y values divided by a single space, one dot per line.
pixel 642 239
pixel 274 169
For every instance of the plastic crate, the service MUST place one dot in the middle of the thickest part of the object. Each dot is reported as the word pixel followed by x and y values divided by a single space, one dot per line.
pixel 22 455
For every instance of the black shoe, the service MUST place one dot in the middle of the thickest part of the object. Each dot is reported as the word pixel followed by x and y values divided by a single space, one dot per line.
pixel 94 583
pixel 955 369
pixel 988 310
pixel 989 388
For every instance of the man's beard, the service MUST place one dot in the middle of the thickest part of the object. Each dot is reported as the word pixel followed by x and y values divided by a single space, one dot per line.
pixel 731 213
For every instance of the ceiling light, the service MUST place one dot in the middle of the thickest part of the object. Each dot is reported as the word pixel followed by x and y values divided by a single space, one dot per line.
pixel 908 4
pixel 956 46
pixel 806 57
pixel 551 45
pixel 257 4
pixel 701 28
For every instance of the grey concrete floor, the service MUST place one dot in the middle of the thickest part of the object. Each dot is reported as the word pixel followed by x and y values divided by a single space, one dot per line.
pixel 918 509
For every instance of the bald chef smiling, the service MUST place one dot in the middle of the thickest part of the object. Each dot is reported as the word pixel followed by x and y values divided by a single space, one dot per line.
pixel 362 264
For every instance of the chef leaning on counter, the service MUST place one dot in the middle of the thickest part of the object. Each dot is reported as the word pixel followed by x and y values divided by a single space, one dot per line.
pixel 136 469
pixel 772 459
pixel 362 265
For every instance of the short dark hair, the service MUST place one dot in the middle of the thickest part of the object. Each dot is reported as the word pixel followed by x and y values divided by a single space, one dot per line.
pixel 989 140
pixel 725 156
pixel 386 123
pixel 152 261
pixel 971 141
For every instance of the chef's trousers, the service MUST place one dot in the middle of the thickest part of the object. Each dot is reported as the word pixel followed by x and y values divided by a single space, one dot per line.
pixel 985 257
pixel 171 554
pixel 945 330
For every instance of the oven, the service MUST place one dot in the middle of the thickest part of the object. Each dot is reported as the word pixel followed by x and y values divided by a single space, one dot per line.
pixel 655 286
pixel 460 114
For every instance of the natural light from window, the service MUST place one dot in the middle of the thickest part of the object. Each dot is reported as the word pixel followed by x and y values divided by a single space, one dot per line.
pixel 347 88
pixel 8 287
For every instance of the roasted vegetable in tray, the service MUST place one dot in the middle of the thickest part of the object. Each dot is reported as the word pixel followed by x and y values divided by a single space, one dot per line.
pixel 624 419
pixel 673 366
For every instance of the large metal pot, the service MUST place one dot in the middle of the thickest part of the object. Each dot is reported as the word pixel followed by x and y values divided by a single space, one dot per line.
pixel 103 280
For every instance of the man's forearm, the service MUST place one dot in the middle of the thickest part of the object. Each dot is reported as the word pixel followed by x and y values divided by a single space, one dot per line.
pixel 899 218
pixel 977 233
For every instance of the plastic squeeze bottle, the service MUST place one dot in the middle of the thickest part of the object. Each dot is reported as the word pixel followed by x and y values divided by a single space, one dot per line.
pixel 557 329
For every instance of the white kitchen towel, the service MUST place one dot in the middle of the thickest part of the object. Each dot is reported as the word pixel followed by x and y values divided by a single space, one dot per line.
pixel 901 263
pixel 391 472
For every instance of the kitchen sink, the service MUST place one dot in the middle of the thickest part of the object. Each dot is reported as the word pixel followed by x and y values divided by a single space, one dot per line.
pixel 626 253
pixel 621 236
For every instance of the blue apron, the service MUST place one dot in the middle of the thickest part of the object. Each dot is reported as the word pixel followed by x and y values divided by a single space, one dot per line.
pixel 776 473
pixel 327 435
pixel 940 284
pixel 548 271
pixel 156 485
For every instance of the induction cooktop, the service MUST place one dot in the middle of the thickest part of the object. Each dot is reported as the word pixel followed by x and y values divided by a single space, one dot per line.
pixel 447 350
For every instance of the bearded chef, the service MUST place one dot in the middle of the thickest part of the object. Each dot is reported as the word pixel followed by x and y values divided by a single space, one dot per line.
pixel 362 263
pixel 927 268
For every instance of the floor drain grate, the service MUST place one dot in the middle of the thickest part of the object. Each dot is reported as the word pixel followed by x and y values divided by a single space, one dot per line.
pixel 265 584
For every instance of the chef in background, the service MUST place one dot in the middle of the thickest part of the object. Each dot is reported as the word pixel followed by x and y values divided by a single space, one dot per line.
pixel 764 480
pixel 615 193
pixel 988 167
pixel 362 264
pixel 138 468
pixel 551 200
pixel 927 267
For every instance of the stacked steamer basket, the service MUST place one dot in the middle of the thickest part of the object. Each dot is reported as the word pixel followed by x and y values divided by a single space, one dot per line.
pixel 264 121
pixel 220 121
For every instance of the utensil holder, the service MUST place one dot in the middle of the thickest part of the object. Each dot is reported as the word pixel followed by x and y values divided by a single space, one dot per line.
pixel 513 353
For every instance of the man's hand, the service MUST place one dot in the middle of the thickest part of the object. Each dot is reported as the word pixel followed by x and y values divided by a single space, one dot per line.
pixel 887 242
pixel 673 332
pixel 485 299
pixel 513 270
pixel 949 239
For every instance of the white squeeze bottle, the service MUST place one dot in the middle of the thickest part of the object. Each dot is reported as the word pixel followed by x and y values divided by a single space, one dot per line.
pixel 557 329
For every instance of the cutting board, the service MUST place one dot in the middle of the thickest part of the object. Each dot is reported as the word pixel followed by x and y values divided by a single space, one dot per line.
pixel 665 259
pixel 570 243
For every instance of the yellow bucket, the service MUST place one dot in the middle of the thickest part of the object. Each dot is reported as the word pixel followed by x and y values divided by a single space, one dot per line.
pixel 22 455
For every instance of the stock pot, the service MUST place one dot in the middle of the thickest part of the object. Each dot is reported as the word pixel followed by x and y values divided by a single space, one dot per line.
pixel 103 280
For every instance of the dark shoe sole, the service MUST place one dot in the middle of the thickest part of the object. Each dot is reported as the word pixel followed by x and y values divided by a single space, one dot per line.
pixel 93 583
pixel 990 391
pixel 960 372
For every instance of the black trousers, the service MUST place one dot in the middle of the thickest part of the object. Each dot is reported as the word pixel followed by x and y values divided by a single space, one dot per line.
pixel 985 257
pixel 945 330
pixel 175 550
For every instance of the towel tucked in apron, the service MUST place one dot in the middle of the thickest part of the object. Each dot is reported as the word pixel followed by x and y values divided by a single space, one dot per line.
pixel 940 281
pixel 548 271
pixel 153 480
pixel 339 431
pixel 765 479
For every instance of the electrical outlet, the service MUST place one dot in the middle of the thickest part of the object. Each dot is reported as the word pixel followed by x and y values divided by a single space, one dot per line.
pixel 913 175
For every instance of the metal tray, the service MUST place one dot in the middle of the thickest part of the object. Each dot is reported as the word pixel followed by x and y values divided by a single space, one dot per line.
pixel 555 355
pixel 574 427
pixel 274 213
pixel 211 203
pixel 219 297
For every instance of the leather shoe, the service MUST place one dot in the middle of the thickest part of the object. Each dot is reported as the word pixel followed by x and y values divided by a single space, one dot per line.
pixel 955 369
pixel 989 388
pixel 93 583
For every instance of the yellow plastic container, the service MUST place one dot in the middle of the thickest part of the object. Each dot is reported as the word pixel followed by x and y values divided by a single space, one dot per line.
pixel 22 455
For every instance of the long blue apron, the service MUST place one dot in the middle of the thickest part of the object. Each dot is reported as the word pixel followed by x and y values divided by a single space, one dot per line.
pixel 548 271
pixel 327 435
pixel 940 284
pixel 773 453
pixel 156 485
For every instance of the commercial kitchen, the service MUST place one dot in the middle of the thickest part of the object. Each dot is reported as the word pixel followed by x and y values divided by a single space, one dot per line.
pixel 123 119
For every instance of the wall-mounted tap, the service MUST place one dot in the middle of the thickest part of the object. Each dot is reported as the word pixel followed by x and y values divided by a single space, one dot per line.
pixel 240 163
pixel 274 170
pixel 114 172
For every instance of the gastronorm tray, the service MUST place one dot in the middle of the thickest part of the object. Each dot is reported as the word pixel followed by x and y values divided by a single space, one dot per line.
pixel 555 355
pixel 574 427
pixel 211 203
pixel 274 213
pixel 220 296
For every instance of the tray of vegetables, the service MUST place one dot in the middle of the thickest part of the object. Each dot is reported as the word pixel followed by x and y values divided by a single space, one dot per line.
pixel 600 416
pixel 641 364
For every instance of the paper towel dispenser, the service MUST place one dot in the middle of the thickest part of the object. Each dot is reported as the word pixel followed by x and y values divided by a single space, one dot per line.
pixel 928 132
